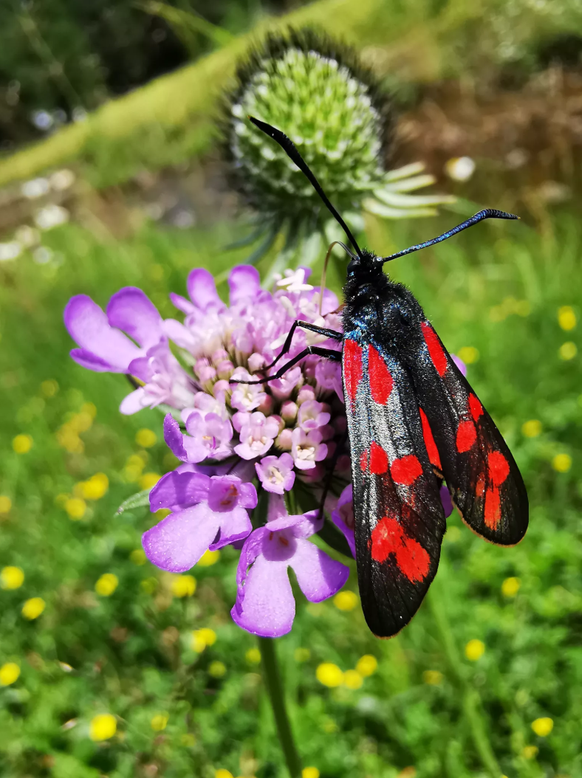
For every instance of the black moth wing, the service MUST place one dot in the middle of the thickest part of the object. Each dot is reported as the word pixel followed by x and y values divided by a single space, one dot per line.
pixel 481 474
pixel 399 518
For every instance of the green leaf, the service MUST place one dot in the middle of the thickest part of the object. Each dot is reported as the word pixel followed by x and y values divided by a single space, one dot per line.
pixel 138 500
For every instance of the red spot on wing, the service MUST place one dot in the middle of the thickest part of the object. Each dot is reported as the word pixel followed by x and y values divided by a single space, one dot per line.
pixel 353 369
pixel 381 381
pixel 435 349
pixel 388 537
pixel 492 513
pixel 378 459
pixel 405 470
pixel 498 467
pixel 475 407
pixel 466 436
pixel 364 461
pixel 431 449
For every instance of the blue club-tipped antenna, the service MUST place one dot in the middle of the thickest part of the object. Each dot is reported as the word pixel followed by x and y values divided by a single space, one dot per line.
pixel 487 213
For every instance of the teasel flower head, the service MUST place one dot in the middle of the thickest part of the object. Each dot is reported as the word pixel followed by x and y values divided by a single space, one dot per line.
pixel 334 110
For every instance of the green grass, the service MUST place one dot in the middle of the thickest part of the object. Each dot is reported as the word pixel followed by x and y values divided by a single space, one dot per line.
pixel 130 653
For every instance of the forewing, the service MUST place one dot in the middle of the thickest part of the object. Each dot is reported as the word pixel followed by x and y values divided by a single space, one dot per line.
pixel 466 447
pixel 399 518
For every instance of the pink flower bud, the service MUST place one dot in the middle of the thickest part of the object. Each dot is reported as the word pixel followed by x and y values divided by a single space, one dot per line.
pixel 306 393
pixel 256 362
pixel 289 411
pixel 285 440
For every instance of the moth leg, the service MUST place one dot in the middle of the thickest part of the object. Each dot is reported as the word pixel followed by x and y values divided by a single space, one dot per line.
pixel 317 350
pixel 305 325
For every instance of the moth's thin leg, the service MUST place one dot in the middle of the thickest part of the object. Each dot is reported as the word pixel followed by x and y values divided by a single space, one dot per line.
pixel 305 325
pixel 317 350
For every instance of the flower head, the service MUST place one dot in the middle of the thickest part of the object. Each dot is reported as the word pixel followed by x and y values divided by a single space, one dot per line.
pixel 234 441
pixel 333 109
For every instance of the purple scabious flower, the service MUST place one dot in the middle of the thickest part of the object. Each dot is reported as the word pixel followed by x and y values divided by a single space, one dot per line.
pixel 236 443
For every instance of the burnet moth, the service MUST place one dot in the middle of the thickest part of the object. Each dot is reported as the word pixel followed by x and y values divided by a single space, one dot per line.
pixel 413 422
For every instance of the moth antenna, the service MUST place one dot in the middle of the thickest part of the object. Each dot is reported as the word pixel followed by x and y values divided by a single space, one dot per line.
pixel 487 213
pixel 289 148
pixel 327 256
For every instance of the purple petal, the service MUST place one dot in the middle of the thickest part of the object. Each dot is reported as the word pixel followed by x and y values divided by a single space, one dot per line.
pixel 265 605
pixel 179 540
pixel 174 437
pixel 446 500
pixel 89 327
pixel 179 489
pixel 132 311
pixel 318 576
pixel 134 402
pixel 90 361
pixel 181 335
pixel 202 289
pixel 244 283
pixel 181 303
pixel 234 525
pixel 460 364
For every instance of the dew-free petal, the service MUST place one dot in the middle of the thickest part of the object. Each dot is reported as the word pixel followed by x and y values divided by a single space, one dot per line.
pixel 179 540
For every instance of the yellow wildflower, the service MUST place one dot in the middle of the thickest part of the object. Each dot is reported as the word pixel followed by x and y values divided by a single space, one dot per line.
pixel 217 669
pixel 329 674
pixel 567 351
pixel 146 438
pixel 253 656
pixel 310 772
pixel 474 650
pixel 95 487
pixel 138 556
pixel 562 463
pixel 5 504
pixel 149 480
pixel 183 586
pixel 107 584
pixel 566 318
pixel 345 601
pixel 542 727
pixel 33 607
pixel 223 774
pixel 22 444
pixel 75 507
pixel 367 665
pixel 302 654
pixel 9 673
pixel 469 354
pixel 530 752
pixel 208 558
pixel 201 638
pixel 103 727
pixel 510 587
pixel 532 428
pixel 11 577
pixel 159 722
pixel 353 679
pixel 432 677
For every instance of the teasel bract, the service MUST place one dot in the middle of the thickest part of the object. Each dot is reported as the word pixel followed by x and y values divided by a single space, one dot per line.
pixel 333 108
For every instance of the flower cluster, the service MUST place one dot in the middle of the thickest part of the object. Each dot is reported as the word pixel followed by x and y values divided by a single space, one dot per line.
pixel 242 447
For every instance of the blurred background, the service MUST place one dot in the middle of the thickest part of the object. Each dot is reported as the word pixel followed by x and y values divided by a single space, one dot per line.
pixel 111 175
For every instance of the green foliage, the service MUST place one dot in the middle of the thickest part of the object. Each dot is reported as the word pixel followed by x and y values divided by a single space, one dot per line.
pixel 493 293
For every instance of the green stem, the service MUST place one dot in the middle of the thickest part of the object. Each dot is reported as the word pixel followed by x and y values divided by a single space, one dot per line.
pixel 274 684
pixel 471 699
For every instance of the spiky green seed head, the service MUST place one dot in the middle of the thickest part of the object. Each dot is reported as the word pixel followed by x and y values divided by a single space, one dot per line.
pixel 317 93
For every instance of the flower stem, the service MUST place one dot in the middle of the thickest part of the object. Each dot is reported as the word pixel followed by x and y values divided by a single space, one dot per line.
pixel 274 683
